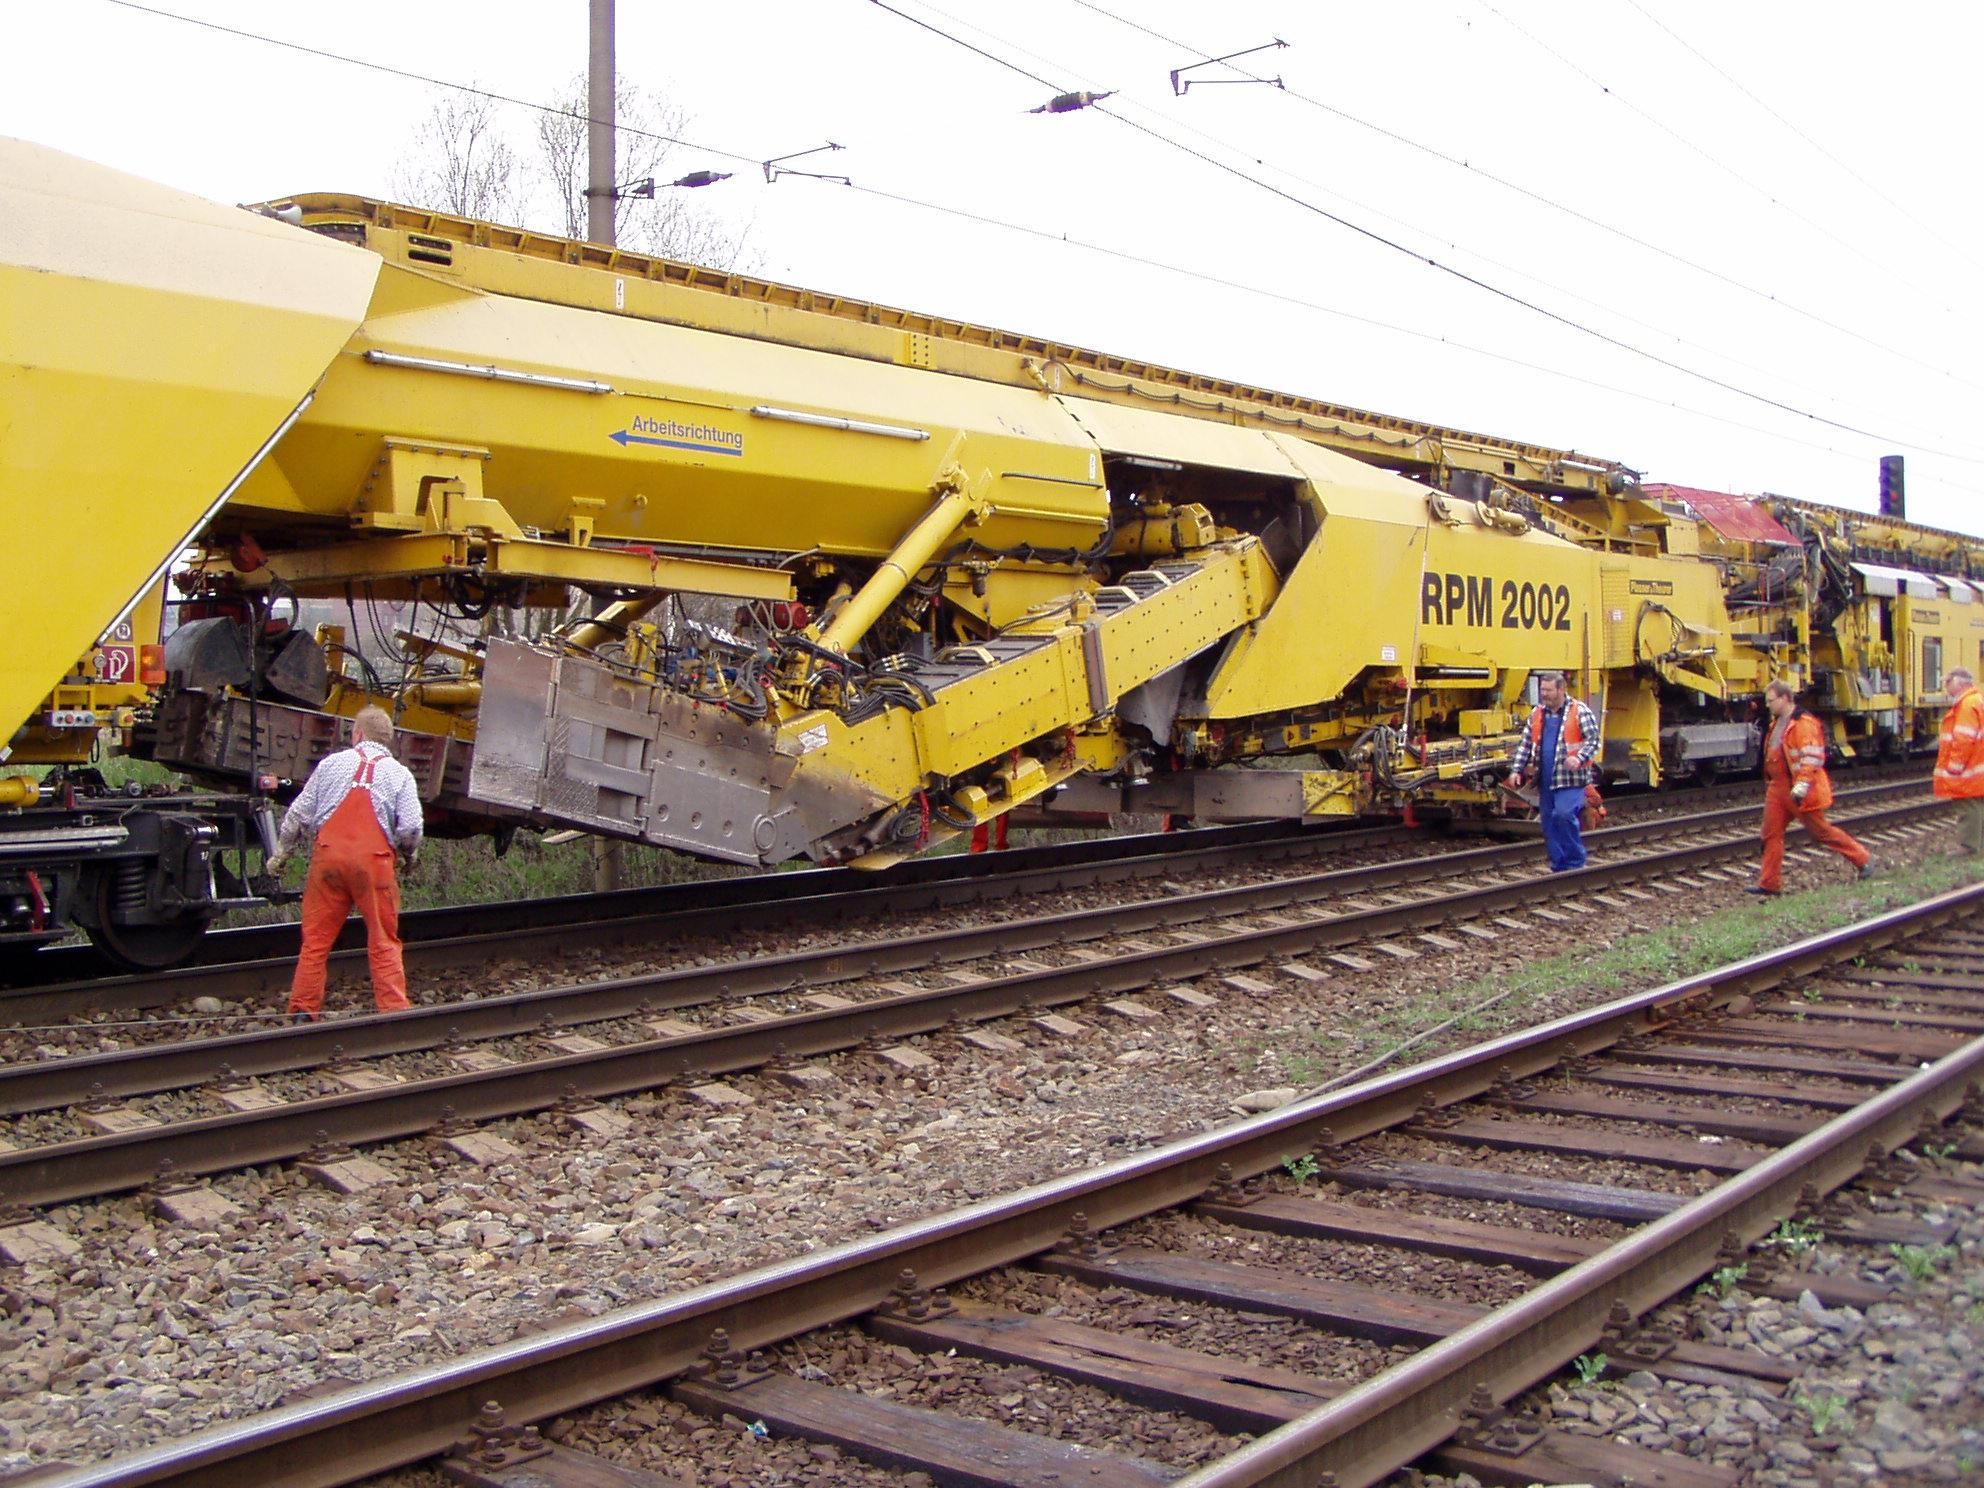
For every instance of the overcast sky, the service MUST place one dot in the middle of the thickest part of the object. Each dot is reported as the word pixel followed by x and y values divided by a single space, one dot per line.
pixel 1800 178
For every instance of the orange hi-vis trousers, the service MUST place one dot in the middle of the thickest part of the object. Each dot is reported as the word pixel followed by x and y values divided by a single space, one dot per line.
pixel 1779 812
pixel 351 866
pixel 990 834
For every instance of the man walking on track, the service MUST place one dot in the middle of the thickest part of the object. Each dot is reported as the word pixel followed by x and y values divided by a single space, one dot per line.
pixel 1960 757
pixel 363 806
pixel 1556 750
pixel 1796 786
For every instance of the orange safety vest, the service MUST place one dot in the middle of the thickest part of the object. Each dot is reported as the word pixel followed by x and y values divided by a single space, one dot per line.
pixel 1572 735
pixel 1960 754
pixel 1800 755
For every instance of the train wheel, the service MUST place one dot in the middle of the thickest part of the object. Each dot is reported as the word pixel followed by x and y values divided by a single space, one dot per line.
pixel 121 940
pixel 148 947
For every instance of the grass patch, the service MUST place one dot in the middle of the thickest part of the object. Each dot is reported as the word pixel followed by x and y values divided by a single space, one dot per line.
pixel 1325 1055
pixel 117 770
pixel 467 871
pixel 1634 963
pixel 1652 957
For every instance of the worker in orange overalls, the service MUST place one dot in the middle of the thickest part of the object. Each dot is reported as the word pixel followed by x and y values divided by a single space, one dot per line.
pixel 364 808
pixel 1796 787
pixel 1960 756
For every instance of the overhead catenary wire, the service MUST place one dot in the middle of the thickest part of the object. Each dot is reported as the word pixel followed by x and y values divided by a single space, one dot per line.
pixel 1737 83
pixel 1667 335
pixel 1337 194
pixel 1703 151
pixel 1542 199
pixel 1203 276
pixel 1438 265
pixel 576 115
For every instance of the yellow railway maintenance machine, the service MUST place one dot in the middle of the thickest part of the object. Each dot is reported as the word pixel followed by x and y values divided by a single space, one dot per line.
pixel 1894 607
pixel 855 579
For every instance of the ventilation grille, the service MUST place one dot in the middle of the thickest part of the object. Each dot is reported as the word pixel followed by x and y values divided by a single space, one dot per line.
pixel 430 250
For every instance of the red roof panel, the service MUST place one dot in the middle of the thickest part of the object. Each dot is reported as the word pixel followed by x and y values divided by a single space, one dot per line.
pixel 1739 518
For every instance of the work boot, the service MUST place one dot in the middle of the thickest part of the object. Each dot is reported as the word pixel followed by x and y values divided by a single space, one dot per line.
pixel 295 1018
pixel 1760 889
pixel 1867 869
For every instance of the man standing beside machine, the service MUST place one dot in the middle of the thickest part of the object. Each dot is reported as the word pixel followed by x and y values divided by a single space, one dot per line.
pixel 1556 750
pixel 363 808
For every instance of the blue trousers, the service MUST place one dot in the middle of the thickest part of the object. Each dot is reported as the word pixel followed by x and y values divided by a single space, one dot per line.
pixel 1562 812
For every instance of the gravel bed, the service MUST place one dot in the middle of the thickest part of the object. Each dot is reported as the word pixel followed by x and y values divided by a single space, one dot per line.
pixel 1627 1127
pixel 1281 1342
pixel 1460 1154
pixel 1788 1108
pixel 1509 1216
pixel 306 1286
pixel 1331 1260
pixel 1890 1397
pixel 654 1433
pixel 1900 1388
pixel 1807 1085
pixel 1008 1395
pixel 1839 1040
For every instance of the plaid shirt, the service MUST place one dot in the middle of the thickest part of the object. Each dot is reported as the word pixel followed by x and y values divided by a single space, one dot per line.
pixel 1571 768
pixel 395 798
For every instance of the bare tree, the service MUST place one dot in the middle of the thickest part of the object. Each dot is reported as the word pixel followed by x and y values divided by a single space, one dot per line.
pixel 670 228
pixel 664 224
pixel 562 152
pixel 461 162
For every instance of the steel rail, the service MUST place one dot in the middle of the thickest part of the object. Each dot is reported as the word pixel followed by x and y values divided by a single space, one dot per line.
pixel 592 921
pixel 112 1163
pixel 255 942
pixel 257 959
pixel 384 1424
pixel 1380 1425
pixel 146 1069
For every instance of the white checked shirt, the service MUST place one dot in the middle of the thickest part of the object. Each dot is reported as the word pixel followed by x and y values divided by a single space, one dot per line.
pixel 395 798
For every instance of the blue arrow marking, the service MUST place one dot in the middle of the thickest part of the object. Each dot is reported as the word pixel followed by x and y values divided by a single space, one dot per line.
pixel 625 437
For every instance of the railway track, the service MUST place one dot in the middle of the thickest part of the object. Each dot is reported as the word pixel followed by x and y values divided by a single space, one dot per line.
pixel 96 1124
pixel 256 961
pixel 1594 1167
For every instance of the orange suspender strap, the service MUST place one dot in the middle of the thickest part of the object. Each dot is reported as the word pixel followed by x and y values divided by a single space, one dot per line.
pixel 1572 733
